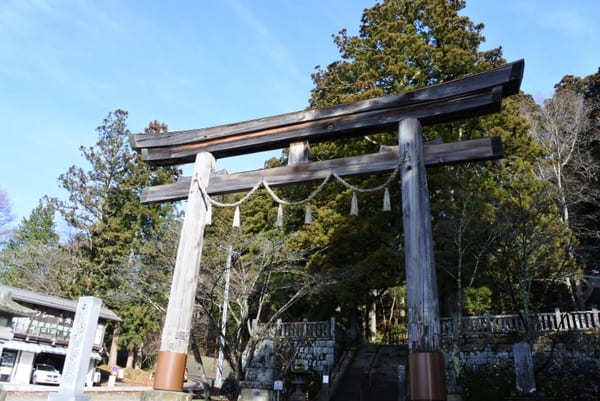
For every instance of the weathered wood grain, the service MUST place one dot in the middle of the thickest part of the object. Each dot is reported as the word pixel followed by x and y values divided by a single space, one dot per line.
pixel 507 76
pixel 298 152
pixel 329 129
pixel 424 333
pixel 435 154
pixel 178 320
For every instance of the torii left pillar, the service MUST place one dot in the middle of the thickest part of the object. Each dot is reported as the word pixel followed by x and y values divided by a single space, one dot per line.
pixel 170 369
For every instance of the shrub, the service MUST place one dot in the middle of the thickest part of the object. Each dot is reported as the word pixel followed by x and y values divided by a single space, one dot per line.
pixel 490 382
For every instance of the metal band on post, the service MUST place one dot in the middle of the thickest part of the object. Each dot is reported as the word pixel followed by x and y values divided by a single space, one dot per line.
pixel 170 371
pixel 427 377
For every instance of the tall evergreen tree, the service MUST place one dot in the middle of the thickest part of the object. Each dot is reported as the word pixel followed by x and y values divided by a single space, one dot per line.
pixel 404 45
pixel 39 227
pixel 118 234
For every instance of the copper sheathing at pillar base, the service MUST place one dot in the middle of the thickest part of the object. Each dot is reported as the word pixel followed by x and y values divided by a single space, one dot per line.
pixel 170 371
pixel 427 377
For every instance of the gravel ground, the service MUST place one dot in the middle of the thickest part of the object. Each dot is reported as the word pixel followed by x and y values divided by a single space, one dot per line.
pixel 129 396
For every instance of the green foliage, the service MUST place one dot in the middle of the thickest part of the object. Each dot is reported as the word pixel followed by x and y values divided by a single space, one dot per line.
pixel 478 300
pixel 140 319
pixel 490 382
pixel 126 247
pixel 48 268
pixel 402 45
pixel 39 227
pixel 569 379
pixel 532 242
pixel 34 259
pixel 558 379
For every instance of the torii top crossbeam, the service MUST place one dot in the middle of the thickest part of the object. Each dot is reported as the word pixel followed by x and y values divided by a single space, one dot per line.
pixel 470 96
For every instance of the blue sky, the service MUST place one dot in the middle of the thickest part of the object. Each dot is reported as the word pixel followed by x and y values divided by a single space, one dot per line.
pixel 65 64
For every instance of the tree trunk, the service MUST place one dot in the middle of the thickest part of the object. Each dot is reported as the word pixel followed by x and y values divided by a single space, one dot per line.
pixel 372 316
pixel 112 357
pixel 138 356
pixel 129 364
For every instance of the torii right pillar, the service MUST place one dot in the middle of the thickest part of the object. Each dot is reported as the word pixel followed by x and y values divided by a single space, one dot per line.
pixel 425 360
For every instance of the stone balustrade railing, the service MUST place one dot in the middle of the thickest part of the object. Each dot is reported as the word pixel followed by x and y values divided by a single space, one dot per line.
pixel 556 321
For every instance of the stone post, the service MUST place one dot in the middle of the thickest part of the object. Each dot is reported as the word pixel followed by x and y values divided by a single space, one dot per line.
pixel 332 328
pixel 525 379
pixel 595 318
pixel 401 383
pixel 558 319
pixel 79 351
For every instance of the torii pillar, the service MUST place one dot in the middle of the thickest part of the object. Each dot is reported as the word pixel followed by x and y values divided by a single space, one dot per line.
pixel 170 368
pixel 425 361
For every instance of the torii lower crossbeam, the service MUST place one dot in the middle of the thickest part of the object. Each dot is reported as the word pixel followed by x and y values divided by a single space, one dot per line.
pixel 434 155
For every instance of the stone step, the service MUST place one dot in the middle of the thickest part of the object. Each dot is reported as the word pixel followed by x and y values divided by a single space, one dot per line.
pixel 372 375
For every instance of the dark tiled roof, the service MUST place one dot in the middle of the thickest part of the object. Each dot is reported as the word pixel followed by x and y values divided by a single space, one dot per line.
pixel 9 306
pixel 35 298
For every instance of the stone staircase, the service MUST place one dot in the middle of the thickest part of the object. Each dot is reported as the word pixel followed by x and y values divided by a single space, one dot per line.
pixel 373 374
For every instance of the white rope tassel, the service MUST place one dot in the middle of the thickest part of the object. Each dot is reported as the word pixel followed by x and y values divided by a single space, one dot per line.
pixel 208 218
pixel 236 217
pixel 354 205
pixel 387 205
pixel 280 216
pixel 308 214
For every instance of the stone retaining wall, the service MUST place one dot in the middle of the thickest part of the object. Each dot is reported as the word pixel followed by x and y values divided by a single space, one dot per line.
pixel 573 348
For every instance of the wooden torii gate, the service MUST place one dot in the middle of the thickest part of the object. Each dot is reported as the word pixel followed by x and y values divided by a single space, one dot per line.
pixel 467 97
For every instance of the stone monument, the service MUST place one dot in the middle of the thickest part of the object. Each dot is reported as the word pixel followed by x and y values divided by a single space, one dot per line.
pixel 525 378
pixel 260 374
pixel 79 351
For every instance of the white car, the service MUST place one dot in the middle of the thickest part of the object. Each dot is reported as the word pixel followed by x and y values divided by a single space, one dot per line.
pixel 45 374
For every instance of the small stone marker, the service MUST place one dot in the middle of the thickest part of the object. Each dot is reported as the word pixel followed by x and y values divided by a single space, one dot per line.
pixel 79 351
pixel 401 383
pixel 525 378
